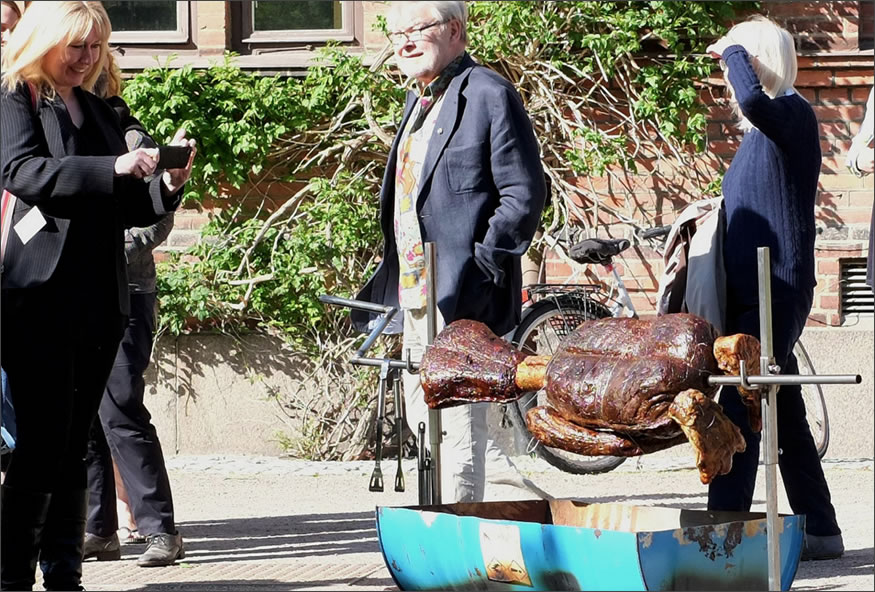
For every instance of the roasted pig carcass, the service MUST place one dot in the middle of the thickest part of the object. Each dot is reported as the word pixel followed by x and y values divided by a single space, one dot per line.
pixel 616 386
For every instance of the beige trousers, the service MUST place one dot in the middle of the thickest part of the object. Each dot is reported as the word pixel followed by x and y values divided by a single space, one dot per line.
pixel 469 457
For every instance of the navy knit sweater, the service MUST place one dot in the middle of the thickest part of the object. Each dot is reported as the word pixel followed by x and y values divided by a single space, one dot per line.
pixel 769 190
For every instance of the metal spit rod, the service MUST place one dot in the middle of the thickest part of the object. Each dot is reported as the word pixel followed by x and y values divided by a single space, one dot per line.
pixel 770 419
pixel 435 429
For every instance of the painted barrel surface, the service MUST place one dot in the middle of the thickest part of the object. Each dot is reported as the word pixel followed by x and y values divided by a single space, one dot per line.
pixel 575 545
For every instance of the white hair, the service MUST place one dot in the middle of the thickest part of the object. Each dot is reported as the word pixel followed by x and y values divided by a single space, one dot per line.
pixel 446 11
pixel 775 58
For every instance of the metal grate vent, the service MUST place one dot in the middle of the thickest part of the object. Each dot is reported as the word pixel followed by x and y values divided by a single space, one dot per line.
pixel 857 297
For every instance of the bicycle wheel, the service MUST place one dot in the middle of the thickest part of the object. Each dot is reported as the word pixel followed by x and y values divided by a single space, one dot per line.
pixel 546 324
pixel 815 404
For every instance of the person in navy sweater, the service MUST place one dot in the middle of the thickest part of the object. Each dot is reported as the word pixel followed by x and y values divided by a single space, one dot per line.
pixel 769 194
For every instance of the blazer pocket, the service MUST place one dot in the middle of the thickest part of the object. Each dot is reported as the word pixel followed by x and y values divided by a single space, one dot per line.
pixel 465 168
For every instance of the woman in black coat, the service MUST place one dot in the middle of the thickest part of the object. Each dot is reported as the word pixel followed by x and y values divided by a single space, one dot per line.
pixel 64 284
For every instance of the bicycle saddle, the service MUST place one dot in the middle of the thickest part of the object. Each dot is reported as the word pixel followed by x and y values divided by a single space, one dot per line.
pixel 598 250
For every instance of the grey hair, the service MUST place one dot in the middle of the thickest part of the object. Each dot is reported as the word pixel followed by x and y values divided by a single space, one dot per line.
pixel 446 10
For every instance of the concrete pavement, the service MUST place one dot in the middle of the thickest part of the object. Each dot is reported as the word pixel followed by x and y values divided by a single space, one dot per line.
pixel 260 523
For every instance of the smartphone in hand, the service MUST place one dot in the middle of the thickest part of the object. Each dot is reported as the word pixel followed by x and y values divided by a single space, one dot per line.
pixel 173 157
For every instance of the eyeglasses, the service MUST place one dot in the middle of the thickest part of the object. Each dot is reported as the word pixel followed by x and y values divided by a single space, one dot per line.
pixel 414 35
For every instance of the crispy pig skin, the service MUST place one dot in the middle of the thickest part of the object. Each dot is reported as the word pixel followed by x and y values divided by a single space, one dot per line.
pixel 729 351
pixel 713 435
pixel 551 429
pixel 468 363
pixel 622 374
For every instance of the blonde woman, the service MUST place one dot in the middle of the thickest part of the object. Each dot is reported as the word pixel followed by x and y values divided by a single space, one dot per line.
pixel 64 285
pixel 769 192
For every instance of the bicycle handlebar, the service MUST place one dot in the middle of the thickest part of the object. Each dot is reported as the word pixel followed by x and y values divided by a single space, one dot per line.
pixel 388 313
pixel 658 232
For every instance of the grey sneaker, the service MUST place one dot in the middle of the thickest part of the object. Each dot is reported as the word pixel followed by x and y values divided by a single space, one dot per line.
pixel 822 547
pixel 103 548
pixel 162 549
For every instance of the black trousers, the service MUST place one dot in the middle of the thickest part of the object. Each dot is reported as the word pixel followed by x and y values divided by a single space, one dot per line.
pixel 801 471
pixel 125 433
pixel 58 346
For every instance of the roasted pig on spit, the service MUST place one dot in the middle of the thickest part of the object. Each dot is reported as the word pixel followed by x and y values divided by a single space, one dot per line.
pixel 616 386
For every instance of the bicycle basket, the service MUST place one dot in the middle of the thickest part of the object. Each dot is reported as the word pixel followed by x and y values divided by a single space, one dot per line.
pixel 576 303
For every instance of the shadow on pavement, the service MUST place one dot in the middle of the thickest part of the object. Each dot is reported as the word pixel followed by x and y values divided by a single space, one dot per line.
pixel 275 537
pixel 853 562
pixel 698 501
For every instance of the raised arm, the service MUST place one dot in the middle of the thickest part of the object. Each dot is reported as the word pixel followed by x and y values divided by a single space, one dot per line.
pixel 774 117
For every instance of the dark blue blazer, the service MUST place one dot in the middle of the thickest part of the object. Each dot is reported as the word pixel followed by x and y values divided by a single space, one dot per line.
pixel 40 165
pixel 481 193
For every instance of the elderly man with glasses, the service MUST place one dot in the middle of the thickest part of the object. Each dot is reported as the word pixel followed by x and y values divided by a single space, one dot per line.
pixel 464 173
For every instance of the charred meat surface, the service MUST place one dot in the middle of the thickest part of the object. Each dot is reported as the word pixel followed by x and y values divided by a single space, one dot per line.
pixel 713 435
pixel 729 352
pixel 622 374
pixel 468 363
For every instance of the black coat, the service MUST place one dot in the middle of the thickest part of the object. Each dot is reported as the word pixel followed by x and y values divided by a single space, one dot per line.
pixel 481 193
pixel 39 164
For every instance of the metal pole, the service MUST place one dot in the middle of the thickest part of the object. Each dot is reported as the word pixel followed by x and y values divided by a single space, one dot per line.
pixel 770 419
pixel 435 429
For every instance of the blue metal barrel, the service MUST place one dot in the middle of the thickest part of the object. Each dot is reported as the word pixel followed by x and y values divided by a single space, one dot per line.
pixel 574 545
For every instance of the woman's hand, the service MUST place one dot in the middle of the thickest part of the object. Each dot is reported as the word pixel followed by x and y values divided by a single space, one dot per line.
pixel 716 49
pixel 138 163
pixel 174 179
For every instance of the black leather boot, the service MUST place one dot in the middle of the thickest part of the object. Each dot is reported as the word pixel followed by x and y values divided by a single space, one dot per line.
pixel 63 538
pixel 23 516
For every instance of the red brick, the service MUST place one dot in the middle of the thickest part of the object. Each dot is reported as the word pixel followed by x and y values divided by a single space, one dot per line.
pixel 787 11
pixel 832 96
pixel 839 113
pixel 835 252
pixel 828 266
pixel 855 215
pixel 723 148
pixel 857 199
pixel 558 270
pixel 860 95
pixel 810 94
pixel 814 78
pixel 815 319
pixel 854 77
pixel 840 181
pixel 828 302
pixel 834 129
pixel 830 199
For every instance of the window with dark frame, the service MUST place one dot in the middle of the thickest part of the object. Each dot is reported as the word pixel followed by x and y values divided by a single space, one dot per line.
pixel 148 21
pixel 273 24
pixel 866 25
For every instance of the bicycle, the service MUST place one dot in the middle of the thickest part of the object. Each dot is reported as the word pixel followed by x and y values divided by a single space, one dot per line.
pixel 555 310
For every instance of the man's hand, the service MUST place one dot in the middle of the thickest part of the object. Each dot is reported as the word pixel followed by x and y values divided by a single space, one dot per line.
pixel 174 179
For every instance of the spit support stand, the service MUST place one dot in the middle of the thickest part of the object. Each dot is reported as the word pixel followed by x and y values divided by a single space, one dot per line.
pixel 435 429
pixel 768 384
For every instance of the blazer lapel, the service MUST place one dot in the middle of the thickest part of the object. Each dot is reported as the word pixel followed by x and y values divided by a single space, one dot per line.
pixel 444 127
pixel 56 127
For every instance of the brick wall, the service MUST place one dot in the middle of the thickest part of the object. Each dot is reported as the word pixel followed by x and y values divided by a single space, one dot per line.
pixel 835 76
